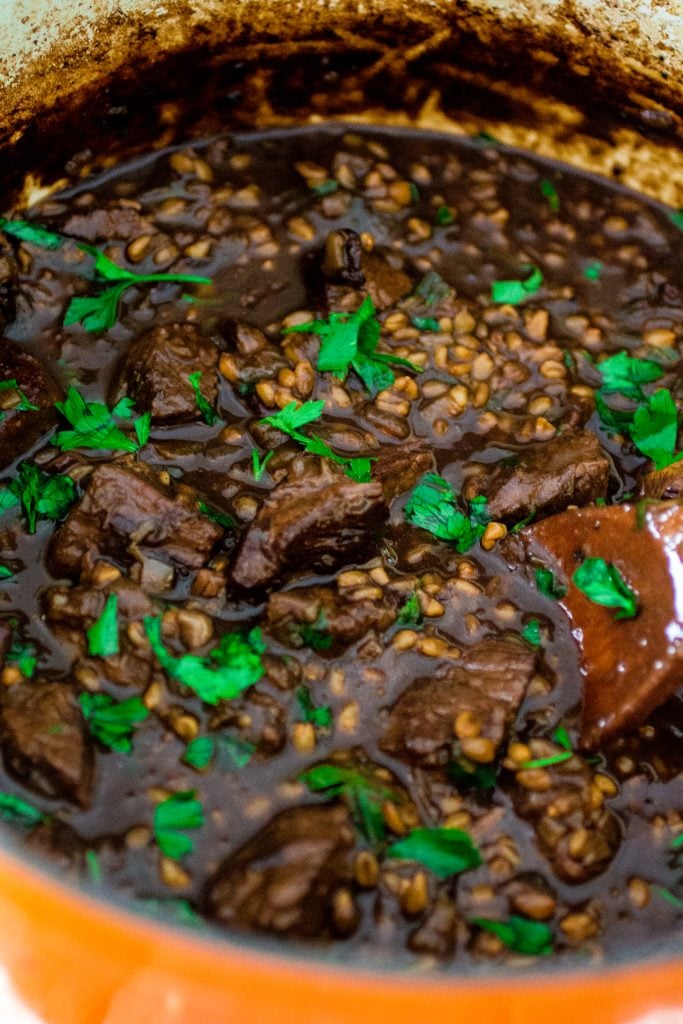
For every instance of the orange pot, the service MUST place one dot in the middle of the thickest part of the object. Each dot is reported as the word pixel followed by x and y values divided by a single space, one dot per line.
pixel 78 960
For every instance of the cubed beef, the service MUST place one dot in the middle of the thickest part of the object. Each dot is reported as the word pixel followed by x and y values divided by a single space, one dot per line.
pixel 490 683
pixel 44 741
pixel 284 879
pixel 128 510
pixel 566 809
pixel 664 483
pixel 399 469
pixel 122 223
pixel 630 665
pixel 315 521
pixel 291 612
pixel 156 369
pixel 19 430
pixel 572 469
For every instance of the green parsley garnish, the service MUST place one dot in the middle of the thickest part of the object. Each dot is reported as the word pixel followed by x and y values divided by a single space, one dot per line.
pixel 25 231
pixel 603 584
pixel 93 424
pixel 310 712
pixel 179 813
pixel 545 581
pixel 432 506
pixel 142 426
pixel 41 495
pixel 259 464
pixel 550 192
pixel 676 217
pixel 562 738
pixel 652 425
pixel 5 572
pixel 18 811
pixel 668 896
pixel 293 416
pixel 21 654
pixel 103 635
pixel 92 862
pixel 532 632
pixel 223 674
pixel 444 216
pixel 199 752
pixel 113 722
pixel 432 288
pixel 23 405
pixel 232 751
pixel 315 635
pixel 486 139
pixel 362 793
pixel 621 374
pixel 514 292
pixel 174 910
pixel 444 851
pixel 349 341
pixel 593 270
pixel 222 518
pixel 425 323
pixel 207 413
pixel 532 938
pixel 325 188
pixel 467 775
pixel 410 613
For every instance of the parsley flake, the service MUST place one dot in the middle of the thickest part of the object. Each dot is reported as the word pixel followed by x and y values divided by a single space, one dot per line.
pixel 315 635
pixel 563 740
pixel 207 413
pixel 179 813
pixel 293 416
pixel 18 811
pixel 222 518
pixel 545 581
pixel 199 752
pixel 259 464
pixel 514 292
pixel 23 404
pixel 593 270
pixel 668 896
pixel 655 429
pixel 142 426
pixel 432 506
pixel 92 862
pixel 425 323
pixel 223 674
pixel 532 938
pixel 5 572
pixel 444 851
pixel 93 425
pixel 26 231
pixel 624 375
pixel 21 653
pixel 444 216
pixel 410 613
pixel 113 722
pixel 41 495
pixel 467 775
pixel 321 716
pixel 603 584
pixel 676 217
pixel 362 792
pixel 103 635
pixel 548 190
pixel 532 632
pixel 325 188
pixel 432 288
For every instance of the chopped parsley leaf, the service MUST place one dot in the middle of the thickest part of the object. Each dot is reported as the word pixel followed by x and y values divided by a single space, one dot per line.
pixel 676 217
pixel 315 635
pixel 514 292
pixel 207 413
pixel 621 374
pixel 41 495
pixel 349 341
pixel 238 751
pixel 179 813
pixel 174 910
pixel 432 506
pixel 532 632
pixel 593 270
pixel 444 216
pixel 113 722
pixel 21 653
pixel 223 674
pixel 199 752
pixel 562 738
pixel 23 405
pixel 259 464
pixel 325 188
pixel 410 613
pixel 432 288
pixel 320 716
pixel 5 572
pixel 466 774
pixel 18 811
pixel 222 518
pixel 93 425
pixel 545 581
pixel 444 851
pixel 550 192
pixel 603 584
pixel 425 323
pixel 142 426
pixel 532 938
pixel 232 751
pixel 103 635
pixel 668 896
pixel 92 862
pixel 293 416
pixel 655 429
pixel 26 231
pixel 363 794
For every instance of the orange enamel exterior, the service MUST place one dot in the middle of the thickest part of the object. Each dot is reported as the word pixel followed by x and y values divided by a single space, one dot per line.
pixel 78 961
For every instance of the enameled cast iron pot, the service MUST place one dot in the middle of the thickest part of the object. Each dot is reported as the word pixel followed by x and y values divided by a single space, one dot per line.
pixel 597 83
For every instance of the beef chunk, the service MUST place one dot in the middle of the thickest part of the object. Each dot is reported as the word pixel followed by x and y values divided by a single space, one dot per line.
pixel 20 430
pixel 322 609
pixel 399 469
pixel 663 483
pixel 44 742
pixel 128 509
pixel 285 878
pixel 490 683
pixel 315 521
pixel 630 666
pixel 120 222
pixel 572 469
pixel 567 808
pixel 156 368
